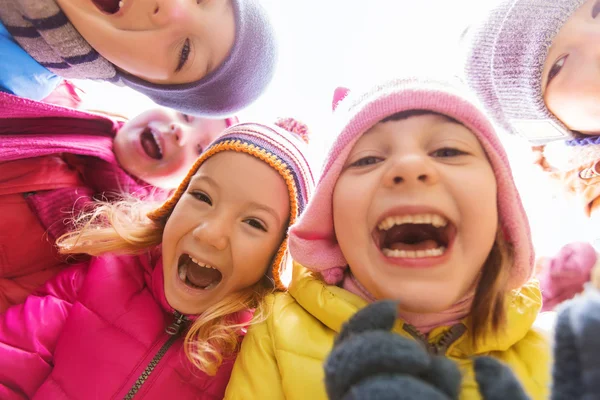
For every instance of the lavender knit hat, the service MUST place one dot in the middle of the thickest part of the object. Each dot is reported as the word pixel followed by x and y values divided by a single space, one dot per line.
pixel 282 146
pixel 236 83
pixel 312 241
pixel 505 58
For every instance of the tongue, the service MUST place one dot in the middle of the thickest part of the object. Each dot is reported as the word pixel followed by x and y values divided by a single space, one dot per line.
pixel 107 6
pixel 200 276
pixel 424 245
pixel 411 237
pixel 150 146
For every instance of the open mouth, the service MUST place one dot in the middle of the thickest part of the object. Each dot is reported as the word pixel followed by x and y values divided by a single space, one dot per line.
pixel 196 274
pixel 109 6
pixel 151 144
pixel 414 236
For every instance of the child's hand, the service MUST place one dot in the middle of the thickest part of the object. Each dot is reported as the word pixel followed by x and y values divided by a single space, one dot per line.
pixel 370 362
pixel 496 381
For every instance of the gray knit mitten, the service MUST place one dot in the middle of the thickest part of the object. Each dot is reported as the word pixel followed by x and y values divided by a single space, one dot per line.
pixel 368 361
pixel 576 369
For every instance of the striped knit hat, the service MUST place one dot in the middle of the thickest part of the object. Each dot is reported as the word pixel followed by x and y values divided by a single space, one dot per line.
pixel 313 241
pixel 505 58
pixel 282 146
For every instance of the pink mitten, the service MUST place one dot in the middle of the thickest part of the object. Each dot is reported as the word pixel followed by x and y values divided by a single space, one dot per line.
pixel 563 276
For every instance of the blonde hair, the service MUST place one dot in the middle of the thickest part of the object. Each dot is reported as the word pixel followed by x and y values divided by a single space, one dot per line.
pixel 122 227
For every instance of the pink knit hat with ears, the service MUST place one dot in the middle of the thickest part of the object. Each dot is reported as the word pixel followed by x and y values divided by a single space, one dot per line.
pixel 312 240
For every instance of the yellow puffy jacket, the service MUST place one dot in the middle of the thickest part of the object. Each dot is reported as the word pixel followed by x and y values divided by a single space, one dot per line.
pixel 282 357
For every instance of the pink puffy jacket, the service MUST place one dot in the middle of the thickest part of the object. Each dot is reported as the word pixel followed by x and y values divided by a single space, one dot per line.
pixel 94 332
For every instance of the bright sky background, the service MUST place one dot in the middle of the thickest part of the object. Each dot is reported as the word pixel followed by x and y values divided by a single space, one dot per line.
pixel 330 43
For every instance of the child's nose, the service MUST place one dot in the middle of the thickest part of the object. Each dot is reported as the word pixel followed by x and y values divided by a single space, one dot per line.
pixel 178 133
pixel 167 12
pixel 213 232
pixel 410 169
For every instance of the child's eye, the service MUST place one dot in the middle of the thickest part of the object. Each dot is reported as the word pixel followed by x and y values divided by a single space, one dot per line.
pixel 556 68
pixel 184 55
pixel 447 152
pixel 256 224
pixel 186 117
pixel 365 161
pixel 202 197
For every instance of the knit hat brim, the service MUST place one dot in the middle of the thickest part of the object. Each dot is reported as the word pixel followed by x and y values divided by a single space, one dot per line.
pixel 505 60
pixel 313 241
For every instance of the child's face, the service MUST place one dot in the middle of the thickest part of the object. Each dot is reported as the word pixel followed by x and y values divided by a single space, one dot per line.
pixel 160 41
pixel 571 75
pixel 415 211
pixel 233 218
pixel 160 145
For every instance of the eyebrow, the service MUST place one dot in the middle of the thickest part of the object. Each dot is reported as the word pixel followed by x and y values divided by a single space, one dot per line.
pixel 253 204
pixel 204 178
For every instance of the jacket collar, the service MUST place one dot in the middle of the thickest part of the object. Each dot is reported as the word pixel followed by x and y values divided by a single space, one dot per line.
pixel 333 306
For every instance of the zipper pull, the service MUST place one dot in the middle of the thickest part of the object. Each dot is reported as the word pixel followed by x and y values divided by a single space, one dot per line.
pixel 174 328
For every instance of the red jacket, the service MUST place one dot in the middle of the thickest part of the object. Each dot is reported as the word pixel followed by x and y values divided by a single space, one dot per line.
pixel 53 161
pixel 92 331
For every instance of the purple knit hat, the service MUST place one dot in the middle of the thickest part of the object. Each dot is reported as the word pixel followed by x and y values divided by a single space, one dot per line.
pixel 312 240
pixel 236 83
pixel 505 58
pixel 282 146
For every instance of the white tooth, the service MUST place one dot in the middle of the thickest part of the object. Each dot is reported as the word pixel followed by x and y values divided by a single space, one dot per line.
pixel 182 272
pixel 427 218
pixel 414 254
pixel 390 222
pixel 157 142
pixel 121 3
pixel 393 253
pixel 436 220
pixel 439 221
pixel 439 251
pixel 384 225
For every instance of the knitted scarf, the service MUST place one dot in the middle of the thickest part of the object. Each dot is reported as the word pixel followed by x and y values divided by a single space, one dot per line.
pixel 43 30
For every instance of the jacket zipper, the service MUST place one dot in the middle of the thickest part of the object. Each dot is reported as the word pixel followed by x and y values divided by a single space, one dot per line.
pixel 441 346
pixel 173 331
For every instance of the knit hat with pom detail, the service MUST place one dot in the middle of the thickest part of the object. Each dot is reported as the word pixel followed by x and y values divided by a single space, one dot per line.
pixel 313 242
pixel 282 146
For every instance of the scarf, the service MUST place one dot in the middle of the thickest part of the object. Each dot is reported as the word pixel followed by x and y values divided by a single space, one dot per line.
pixel 424 323
pixel 45 33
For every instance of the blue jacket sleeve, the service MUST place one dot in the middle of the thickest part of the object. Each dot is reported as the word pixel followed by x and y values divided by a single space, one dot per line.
pixel 20 74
